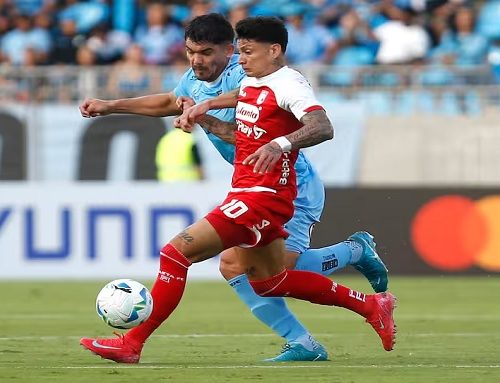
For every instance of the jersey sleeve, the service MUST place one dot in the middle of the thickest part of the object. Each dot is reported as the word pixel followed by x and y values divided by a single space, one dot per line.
pixel 297 97
pixel 238 77
pixel 184 85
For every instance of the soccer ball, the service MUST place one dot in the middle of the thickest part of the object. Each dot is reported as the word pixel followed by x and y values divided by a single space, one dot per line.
pixel 124 303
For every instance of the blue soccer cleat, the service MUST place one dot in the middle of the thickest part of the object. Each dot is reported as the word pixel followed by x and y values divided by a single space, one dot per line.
pixel 296 352
pixel 370 264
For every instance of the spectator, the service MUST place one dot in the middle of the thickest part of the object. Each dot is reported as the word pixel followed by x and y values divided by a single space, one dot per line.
pixel 6 13
pixel 237 12
pixel 173 74
pixel 471 48
pixel 108 46
pixel 34 7
pixel 460 45
pixel 87 14
pixel 85 56
pixel 402 39
pixel 306 43
pixel 158 35
pixel 66 42
pixel 129 77
pixel 15 43
pixel 200 7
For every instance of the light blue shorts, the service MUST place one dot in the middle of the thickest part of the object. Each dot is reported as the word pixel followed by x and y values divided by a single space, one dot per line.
pixel 308 208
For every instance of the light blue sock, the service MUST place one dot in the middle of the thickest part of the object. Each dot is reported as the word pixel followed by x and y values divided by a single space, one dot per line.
pixel 273 312
pixel 330 259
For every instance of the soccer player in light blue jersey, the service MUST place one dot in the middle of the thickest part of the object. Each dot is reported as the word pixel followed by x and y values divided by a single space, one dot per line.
pixel 214 71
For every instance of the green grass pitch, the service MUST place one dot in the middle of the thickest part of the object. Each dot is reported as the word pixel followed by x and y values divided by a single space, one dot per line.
pixel 448 331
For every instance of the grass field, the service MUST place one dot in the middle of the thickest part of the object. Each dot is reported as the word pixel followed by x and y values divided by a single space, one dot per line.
pixel 449 331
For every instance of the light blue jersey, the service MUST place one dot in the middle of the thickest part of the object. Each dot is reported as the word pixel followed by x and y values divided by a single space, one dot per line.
pixel 311 194
pixel 200 91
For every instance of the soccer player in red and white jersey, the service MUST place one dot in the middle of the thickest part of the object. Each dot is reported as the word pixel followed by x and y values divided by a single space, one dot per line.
pixel 277 114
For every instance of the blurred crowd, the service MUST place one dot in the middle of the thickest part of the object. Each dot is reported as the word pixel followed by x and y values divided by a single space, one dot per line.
pixel 351 33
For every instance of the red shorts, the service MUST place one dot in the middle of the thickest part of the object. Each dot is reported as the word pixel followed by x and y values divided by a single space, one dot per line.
pixel 251 219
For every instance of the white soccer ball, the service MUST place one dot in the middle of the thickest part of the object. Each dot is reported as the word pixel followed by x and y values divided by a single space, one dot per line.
pixel 124 303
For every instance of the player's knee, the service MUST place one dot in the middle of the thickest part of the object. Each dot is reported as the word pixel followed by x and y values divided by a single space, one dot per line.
pixel 229 267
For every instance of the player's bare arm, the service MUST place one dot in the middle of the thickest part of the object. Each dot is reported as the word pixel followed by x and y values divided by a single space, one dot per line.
pixel 225 100
pixel 316 129
pixel 222 129
pixel 155 105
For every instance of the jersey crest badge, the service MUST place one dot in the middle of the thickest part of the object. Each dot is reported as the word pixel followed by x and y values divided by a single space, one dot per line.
pixel 262 97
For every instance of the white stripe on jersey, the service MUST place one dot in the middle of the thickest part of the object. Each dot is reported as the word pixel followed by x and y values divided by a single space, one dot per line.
pixel 253 189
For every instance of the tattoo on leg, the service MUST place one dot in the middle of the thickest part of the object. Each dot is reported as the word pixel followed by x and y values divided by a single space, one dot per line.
pixel 186 237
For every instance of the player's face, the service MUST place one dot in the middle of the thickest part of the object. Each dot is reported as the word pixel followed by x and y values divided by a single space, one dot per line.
pixel 208 60
pixel 258 59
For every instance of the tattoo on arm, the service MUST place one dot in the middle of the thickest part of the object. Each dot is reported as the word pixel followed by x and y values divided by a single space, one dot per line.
pixel 317 128
pixel 222 129
pixel 185 236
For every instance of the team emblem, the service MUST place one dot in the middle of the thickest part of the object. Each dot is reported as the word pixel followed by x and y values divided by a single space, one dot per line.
pixel 262 97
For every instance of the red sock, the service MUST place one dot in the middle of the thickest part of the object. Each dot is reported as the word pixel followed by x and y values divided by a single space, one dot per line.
pixel 314 288
pixel 166 292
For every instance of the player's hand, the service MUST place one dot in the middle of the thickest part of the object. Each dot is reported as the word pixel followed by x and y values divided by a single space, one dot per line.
pixel 184 102
pixel 191 114
pixel 264 158
pixel 181 124
pixel 93 107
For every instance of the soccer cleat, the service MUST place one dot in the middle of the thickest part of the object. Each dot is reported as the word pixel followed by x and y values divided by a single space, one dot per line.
pixel 381 319
pixel 370 264
pixel 117 349
pixel 296 352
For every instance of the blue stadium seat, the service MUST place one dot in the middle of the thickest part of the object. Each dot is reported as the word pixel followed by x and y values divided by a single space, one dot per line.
pixel 449 104
pixel 377 103
pixel 473 103
pixel 347 59
pixel 435 75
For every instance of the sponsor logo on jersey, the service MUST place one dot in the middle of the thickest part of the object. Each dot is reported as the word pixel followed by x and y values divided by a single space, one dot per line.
pixel 262 97
pixel 250 131
pixel 247 112
pixel 285 169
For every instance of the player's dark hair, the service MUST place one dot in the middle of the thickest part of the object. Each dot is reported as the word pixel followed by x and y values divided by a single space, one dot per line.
pixel 212 28
pixel 263 29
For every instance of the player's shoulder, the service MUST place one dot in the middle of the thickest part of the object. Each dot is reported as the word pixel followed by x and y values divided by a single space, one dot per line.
pixel 290 74
pixel 233 70
pixel 188 77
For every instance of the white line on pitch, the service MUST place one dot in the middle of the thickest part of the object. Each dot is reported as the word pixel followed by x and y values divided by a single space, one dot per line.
pixel 238 335
pixel 287 366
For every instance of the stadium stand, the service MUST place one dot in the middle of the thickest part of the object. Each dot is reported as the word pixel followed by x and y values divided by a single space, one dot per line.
pixel 397 56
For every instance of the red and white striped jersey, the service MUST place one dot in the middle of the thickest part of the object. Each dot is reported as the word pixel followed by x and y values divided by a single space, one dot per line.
pixel 270 107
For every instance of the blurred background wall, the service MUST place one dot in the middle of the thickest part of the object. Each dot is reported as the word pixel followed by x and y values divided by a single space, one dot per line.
pixel 413 89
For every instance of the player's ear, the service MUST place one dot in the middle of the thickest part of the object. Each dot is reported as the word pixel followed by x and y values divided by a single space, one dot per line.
pixel 229 50
pixel 275 50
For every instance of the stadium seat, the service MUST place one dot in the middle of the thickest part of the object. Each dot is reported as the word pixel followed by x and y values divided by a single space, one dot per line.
pixel 473 103
pixel 377 103
pixel 435 76
pixel 347 59
pixel 449 104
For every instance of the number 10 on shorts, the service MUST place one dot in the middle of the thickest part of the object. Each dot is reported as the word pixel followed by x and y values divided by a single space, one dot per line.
pixel 234 209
